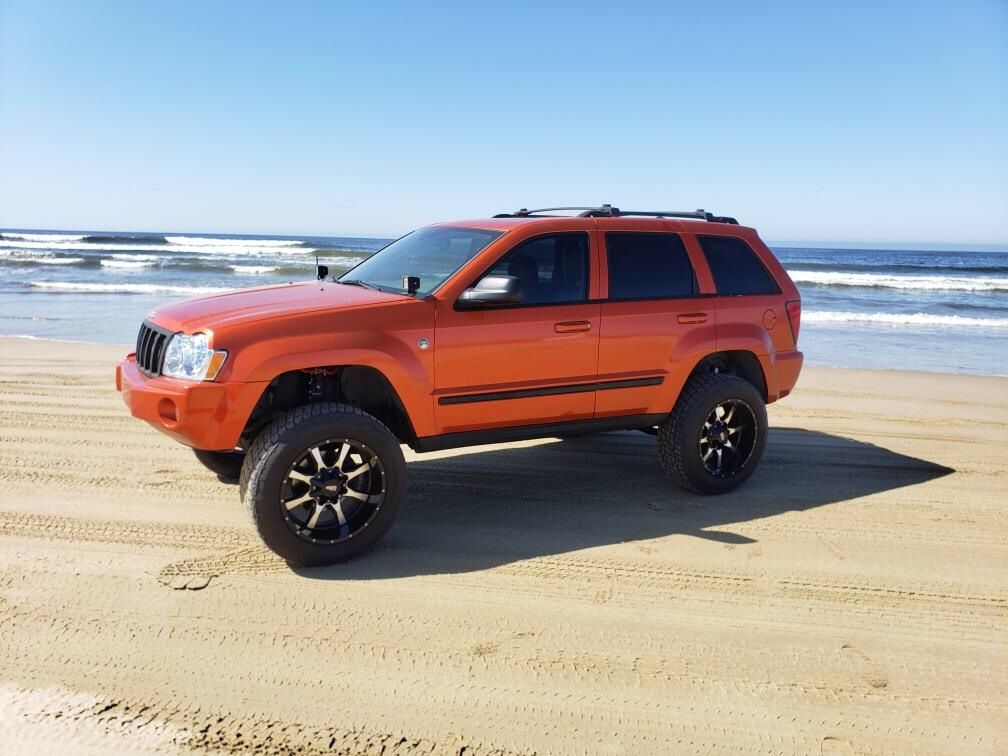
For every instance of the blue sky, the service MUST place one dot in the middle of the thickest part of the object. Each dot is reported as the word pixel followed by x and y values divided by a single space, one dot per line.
pixel 812 121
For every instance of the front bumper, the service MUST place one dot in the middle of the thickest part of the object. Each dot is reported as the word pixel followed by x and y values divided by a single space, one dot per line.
pixel 204 415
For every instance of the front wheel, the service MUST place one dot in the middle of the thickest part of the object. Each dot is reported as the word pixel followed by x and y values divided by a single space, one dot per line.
pixel 715 437
pixel 323 483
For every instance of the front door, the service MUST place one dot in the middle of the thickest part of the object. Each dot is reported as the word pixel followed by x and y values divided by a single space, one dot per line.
pixel 526 364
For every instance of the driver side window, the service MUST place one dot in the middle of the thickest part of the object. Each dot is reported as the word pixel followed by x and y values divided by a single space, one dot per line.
pixel 552 268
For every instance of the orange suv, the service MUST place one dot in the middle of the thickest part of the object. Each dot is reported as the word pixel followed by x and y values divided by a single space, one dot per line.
pixel 529 324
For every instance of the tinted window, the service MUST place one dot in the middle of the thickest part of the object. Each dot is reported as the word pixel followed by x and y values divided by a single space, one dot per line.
pixel 735 267
pixel 648 266
pixel 551 268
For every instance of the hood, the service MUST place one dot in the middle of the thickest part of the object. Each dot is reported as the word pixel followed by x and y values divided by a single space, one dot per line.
pixel 247 305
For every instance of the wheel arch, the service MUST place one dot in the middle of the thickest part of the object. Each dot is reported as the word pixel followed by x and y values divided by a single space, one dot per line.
pixel 741 362
pixel 362 386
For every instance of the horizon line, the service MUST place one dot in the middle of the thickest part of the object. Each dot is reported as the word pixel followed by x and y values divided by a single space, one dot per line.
pixel 845 243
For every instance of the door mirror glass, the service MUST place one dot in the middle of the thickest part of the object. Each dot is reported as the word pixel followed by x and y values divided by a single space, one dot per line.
pixel 491 290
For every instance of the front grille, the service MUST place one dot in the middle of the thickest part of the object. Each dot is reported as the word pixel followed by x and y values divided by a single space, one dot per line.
pixel 150 348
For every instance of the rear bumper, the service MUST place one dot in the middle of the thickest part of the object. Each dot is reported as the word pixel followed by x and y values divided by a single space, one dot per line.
pixel 207 416
pixel 788 365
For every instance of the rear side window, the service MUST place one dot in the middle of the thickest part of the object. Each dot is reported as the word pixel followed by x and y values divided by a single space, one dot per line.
pixel 648 266
pixel 735 267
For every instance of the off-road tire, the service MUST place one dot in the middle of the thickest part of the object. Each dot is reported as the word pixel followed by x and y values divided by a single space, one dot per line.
pixel 225 465
pixel 281 443
pixel 679 436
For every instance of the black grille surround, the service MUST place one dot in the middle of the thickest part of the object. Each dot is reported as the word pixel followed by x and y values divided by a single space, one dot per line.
pixel 150 348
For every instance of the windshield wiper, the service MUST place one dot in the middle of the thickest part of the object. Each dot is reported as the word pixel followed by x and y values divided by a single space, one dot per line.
pixel 355 282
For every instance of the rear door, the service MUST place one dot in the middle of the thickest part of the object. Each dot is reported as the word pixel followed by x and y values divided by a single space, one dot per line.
pixel 654 316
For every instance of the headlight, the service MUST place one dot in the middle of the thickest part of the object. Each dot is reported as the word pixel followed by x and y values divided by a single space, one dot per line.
pixel 191 358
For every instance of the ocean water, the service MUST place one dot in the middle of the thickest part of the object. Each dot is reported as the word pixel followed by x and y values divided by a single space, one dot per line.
pixel 939 310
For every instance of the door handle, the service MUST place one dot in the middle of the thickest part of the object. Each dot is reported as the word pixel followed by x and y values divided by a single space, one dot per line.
pixel 572 326
pixel 688 318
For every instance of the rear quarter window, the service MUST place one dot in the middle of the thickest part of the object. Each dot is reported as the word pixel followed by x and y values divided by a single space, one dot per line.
pixel 736 267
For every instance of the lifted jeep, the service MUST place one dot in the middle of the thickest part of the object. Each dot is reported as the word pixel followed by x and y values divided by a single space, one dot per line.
pixel 529 324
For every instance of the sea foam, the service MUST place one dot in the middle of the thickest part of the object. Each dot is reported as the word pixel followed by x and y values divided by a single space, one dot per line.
pixel 206 241
pixel 906 320
pixel 882 281
pixel 109 288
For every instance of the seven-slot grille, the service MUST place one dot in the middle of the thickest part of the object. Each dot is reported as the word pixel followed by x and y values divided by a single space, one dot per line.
pixel 150 348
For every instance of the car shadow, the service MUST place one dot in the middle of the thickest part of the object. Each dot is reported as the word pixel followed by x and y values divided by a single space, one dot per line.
pixel 483 508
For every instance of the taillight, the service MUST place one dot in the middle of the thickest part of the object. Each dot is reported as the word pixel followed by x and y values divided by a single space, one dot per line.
pixel 794 317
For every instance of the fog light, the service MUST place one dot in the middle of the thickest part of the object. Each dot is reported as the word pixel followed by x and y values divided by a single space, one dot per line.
pixel 168 411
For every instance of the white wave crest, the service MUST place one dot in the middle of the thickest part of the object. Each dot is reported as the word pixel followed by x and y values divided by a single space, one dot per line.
pixel 911 320
pixel 341 261
pixel 55 260
pixel 107 288
pixel 29 257
pixel 44 238
pixel 883 281
pixel 232 250
pixel 201 241
pixel 254 270
pixel 130 261
pixel 126 264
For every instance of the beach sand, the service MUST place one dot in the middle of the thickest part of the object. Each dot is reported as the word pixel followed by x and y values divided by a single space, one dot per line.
pixel 550 596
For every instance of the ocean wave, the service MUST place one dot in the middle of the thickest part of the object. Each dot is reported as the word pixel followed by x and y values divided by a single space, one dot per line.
pixel 254 270
pixel 341 261
pixel 130 261
pixel 15 236
pixel 123 239
pixel 55 260
pixel 897 268
pixel 172 249
pixel 207 241
pixel 916 319
pixel 233 250
pixel 917 283
pixel 27 257
pixel 241 264
pixel 108 288
pixel 32 337
pixel 126 264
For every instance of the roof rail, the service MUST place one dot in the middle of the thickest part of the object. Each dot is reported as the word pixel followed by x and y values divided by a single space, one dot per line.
pixel 608 211
pixel 525 213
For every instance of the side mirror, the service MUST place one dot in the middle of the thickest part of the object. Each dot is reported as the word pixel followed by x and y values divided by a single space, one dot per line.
pixel 411 284
pixel 321 271
pixel 492 290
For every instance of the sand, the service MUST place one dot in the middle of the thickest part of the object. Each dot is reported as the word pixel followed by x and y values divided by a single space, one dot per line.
pixel 557 596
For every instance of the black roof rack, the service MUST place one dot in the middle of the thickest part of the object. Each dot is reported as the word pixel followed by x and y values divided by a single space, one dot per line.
pixel 608 211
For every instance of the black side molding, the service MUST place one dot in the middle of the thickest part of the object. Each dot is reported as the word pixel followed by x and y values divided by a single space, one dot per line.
pixel 573 388
pixel 525 432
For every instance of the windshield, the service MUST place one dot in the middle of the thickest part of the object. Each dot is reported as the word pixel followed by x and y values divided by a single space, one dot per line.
pixel 431 254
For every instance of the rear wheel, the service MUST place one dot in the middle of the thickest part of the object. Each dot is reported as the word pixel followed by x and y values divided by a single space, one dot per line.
pixel 225 465
pixel 715 437
pixel 323 483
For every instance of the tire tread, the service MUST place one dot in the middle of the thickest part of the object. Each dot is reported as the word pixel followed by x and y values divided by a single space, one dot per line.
pixel 269 443
pixel 672 434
